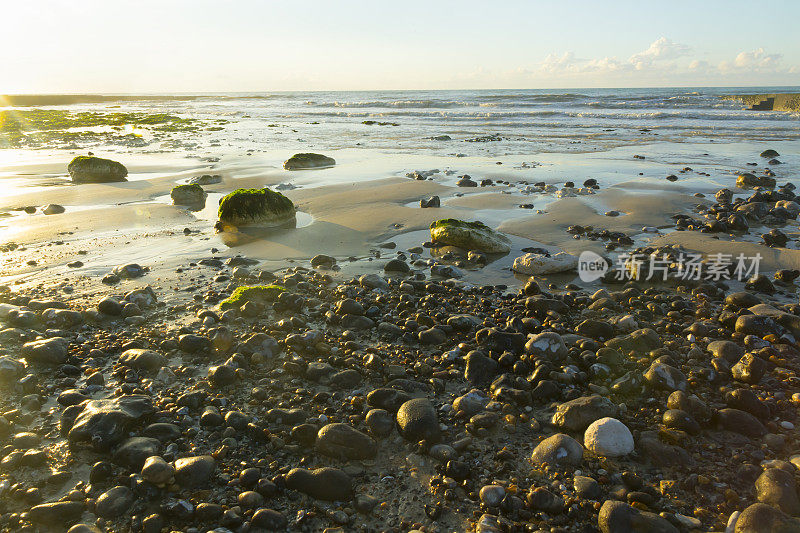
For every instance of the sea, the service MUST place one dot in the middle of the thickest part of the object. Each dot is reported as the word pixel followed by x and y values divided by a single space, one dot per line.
pixel 463 122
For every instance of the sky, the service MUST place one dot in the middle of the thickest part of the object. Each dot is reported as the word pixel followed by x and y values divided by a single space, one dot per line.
pixel 146 46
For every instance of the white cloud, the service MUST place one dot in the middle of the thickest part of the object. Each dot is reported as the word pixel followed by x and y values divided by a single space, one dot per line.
pixel 662 49
pixel 754 61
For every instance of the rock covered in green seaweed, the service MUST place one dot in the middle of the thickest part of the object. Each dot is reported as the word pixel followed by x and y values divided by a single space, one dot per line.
pixel 308 160
pixel 255 207
pixel 252 293
pixel 190 194
pixel 469 236
pixel 90 169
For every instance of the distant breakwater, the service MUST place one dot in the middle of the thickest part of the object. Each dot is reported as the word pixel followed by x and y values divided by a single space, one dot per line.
pixel 768 102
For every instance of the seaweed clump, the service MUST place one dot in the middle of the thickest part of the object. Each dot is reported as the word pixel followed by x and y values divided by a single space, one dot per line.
pixel 477 225
pixel 255 205
pixel 252 293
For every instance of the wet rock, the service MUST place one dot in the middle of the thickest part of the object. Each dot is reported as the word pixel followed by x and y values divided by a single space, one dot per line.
pixel 142 359
pixel 114 503
pixel 326 483
pixel 308 161
pixel 379 423
pixel 56 514
pixel 548 345
pixel 587 488
pixel 341 440
pixel 638 342
pixel 52 351
pixel 479 369
pixel 194 343
pixel 740 422
pixel 105 422
pixel 494 339
pixel 728 350
pixel 133 452
pixel 194 471
pixel 664 376
pixel 749 369
pixel 762 518
pixel 492 495
pixel 533 264
pixel 269 519
pixel 777 487
pixel 577 414
pixel 110 306
pixel 90 169
pixel 558 449
pixel 157 471
pixel 608 437
pixel 469 236
pixel 618 517
pixel 397 265
pixel 432 201
pixel 417 420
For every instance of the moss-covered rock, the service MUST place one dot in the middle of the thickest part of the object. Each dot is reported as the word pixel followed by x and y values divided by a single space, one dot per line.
pixel 90 169
pixel 747 180
pixel 308 160
pixel 469 235
pixel 254 293
pixel 255 207
pixel 769 153
pixel 190 194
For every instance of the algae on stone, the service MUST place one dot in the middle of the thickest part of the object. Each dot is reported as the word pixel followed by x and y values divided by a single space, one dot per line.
pixel 252 293
pixel 90 169
pixel 469 236
pixel 308 160
pixel 189 194
pixel 255 207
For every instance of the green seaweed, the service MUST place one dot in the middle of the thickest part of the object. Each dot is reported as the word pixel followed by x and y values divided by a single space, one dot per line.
pixel 41 125
pixel 188 187
pixel 457 223
pixel 251 293
pixel 252 203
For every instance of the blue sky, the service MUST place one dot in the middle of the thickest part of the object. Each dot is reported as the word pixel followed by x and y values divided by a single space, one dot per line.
pixel 248 45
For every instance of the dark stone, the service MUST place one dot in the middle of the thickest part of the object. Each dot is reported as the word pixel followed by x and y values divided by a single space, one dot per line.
pixel 417 420
pixel 326 483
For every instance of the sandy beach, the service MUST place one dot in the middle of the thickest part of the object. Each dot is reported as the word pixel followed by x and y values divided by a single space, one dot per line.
pixel 379 364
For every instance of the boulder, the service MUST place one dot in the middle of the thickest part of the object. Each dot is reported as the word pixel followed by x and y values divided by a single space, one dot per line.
pixel 90 169
pixel 53 209
pixel 308 160
pixel 469 236
pixel 534 264
pixel 256 207
pixel 191 195
pixel 608 437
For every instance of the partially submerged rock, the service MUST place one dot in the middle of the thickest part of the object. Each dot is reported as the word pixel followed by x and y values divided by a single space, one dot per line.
pixel 469 236
pixel 308 160
pixel 256 207
pixel 533 264
pixel 191 195
pixel 90 169
pixel 747 180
